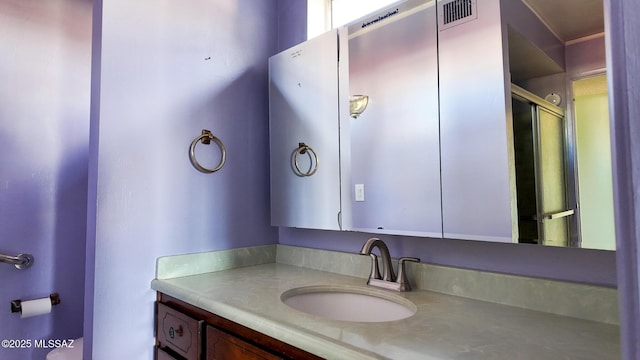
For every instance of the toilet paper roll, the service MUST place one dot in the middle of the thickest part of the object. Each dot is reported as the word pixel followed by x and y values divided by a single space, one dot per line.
pixel 35 307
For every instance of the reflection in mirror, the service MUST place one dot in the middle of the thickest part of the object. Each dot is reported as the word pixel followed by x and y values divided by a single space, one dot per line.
pixel 593 153
pixel 567 79
pixel 541 167
pixel 547 46
pixel 357 105
pixel 395 160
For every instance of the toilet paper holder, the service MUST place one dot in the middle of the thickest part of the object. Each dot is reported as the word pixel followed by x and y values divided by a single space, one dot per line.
pixel 16 305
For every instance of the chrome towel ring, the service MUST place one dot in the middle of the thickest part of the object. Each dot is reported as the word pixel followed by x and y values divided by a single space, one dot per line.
pixel 303 149
pixel 206 138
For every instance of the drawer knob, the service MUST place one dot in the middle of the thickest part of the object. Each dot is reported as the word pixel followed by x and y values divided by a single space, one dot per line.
pixel 173 332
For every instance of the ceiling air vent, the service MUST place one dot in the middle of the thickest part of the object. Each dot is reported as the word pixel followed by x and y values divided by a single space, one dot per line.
pixel 456 12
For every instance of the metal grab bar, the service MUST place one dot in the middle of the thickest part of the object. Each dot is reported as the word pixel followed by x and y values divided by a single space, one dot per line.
pixel 22 261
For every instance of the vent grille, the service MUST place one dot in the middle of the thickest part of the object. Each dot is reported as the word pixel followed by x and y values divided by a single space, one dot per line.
pixel 456 12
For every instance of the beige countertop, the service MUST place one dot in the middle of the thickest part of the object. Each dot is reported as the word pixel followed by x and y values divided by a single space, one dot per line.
pixel 444 327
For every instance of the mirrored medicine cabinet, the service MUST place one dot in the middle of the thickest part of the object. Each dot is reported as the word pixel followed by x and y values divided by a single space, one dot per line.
pixel 451 143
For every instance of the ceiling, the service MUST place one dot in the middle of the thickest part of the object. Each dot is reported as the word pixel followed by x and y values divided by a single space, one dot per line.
pixel 570 19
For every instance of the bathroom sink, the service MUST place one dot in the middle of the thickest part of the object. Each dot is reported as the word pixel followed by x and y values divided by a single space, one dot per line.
pixel 349 303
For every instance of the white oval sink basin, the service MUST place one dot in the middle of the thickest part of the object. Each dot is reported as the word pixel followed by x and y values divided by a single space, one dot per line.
pixel 349 303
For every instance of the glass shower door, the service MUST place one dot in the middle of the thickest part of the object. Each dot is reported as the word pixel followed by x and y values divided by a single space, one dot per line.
pixel 552 198
pixel 540 167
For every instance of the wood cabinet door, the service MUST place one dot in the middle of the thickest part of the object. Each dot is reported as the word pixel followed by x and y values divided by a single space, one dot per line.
pixel 223 346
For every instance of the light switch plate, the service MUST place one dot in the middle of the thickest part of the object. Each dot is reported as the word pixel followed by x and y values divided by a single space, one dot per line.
pixel 359 192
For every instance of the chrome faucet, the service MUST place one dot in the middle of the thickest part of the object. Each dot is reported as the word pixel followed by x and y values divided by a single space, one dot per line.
pixel 388 280
pixel 367 249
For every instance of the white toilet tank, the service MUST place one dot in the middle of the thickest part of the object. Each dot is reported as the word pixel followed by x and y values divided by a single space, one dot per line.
pixel 74 353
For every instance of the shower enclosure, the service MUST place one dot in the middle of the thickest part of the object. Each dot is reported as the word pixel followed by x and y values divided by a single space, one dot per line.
pixel 541 166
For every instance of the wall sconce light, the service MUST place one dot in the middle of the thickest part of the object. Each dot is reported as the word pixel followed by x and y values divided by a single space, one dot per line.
pixel 357 105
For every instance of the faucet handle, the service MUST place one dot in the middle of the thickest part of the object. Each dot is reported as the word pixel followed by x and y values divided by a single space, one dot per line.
pixel 412 259
pixel 375 270
pixel 402 273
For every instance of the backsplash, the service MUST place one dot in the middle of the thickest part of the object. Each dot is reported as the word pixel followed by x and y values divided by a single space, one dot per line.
pixel 168 267
pixel 581 301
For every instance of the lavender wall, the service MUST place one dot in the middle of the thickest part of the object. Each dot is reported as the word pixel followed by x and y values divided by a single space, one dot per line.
pixel 292 23
pixel 582 59
pixel 623 53
pixel 520 17
pixel 44 134
pixel 164 71
pixel 585 56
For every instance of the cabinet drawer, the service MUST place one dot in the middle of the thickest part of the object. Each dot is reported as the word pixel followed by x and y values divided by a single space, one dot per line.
pixel 223 346
pixel 179 332
pixel 162 355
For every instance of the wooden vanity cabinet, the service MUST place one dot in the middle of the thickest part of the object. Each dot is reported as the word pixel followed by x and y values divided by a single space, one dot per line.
pixel 206 336
pixel 221 345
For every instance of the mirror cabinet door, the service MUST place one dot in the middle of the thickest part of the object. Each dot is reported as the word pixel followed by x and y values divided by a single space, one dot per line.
pixel 304 135
pixel 395 156
pixel 477 187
